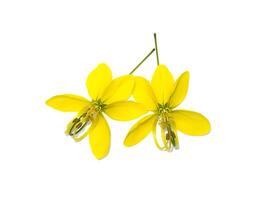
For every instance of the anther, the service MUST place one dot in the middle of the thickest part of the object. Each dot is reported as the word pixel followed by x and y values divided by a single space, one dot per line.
pixel 75 120
pixel 83 115
pixel 167 136
pixel 79 125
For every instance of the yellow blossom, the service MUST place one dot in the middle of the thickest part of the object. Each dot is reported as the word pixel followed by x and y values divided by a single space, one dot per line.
pixel 162 96
pixel 107 96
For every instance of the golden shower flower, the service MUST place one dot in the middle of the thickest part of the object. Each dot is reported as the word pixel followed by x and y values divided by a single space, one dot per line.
pixel 161 97
pixel 109 97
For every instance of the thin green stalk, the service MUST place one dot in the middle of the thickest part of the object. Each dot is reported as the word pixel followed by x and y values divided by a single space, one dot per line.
pixel 142 61
pixel 156 47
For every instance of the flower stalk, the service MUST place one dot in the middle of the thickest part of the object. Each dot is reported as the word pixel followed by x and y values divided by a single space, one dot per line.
pixel 137 66
pixel 156 47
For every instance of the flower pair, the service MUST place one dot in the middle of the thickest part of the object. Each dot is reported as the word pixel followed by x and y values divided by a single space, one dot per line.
pixel 110 97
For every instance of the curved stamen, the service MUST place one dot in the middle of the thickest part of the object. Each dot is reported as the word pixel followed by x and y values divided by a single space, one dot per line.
pixel 79 137
pixel 78 125
pixel 155 138
pixel 163 138
pixel 79 122
pixel 168 135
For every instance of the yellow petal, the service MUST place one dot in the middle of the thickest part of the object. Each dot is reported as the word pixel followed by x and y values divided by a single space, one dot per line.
pixel 99 137
pixel 162 84
pixel 191 123
pixel 120 89
pixel 125 110
pixel 68 103
pixel 180 90
pixel 140 130
pixel 98 80
pixel 143 93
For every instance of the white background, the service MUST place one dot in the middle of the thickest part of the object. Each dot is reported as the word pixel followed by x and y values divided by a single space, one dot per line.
pixel 49 47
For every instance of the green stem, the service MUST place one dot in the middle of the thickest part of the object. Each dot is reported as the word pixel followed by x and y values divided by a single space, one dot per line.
pixel 142 61
pixel 156 47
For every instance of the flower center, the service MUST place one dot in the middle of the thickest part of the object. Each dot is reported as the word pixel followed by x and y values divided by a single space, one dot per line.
pixel 163 108
pixel 98 105
pixel 168 135
pixel 77 126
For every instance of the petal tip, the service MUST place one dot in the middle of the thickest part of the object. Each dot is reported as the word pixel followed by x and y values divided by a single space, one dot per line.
pixel 103 65
pixel 126 143
pixel 49 102
pixel 187 73
pixel 100 157
pixel 209 127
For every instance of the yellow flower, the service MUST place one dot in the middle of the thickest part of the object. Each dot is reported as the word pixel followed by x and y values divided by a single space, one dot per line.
pixel 109 97
pixel 161 97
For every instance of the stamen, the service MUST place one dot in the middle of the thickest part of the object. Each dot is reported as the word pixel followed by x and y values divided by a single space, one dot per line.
pixel 163 138
pixel 75 120
pixel 77 126
pixel 155 138
pixel 82 133
pixel 168 135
